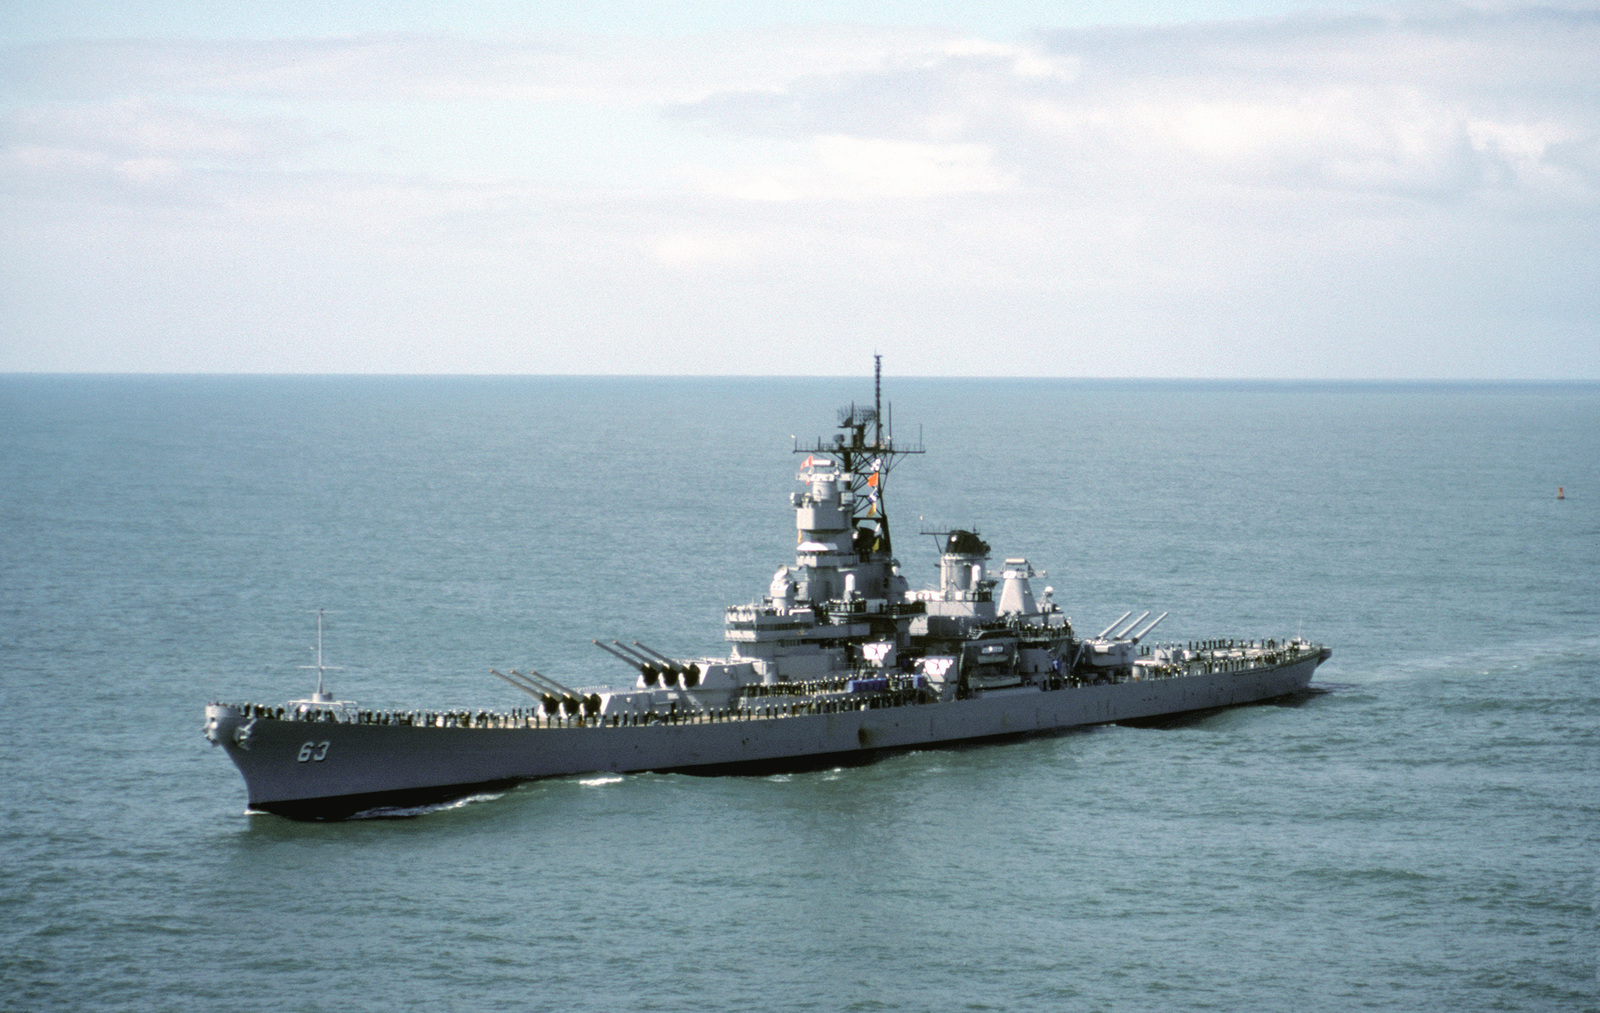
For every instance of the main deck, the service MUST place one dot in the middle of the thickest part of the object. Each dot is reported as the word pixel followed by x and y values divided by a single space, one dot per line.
pixel 788 699
pixel 322 765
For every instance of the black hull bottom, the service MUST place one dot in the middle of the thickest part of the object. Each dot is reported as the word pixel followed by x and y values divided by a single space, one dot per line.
pixel 855 757
pixel 1183 719
pixel 406 802
pixel 399 803
pixel 862 757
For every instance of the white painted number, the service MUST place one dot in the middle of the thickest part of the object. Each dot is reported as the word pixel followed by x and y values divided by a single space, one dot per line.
pixel 313 751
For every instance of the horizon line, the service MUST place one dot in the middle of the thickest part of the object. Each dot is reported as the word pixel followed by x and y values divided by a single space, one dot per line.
pixel 220 374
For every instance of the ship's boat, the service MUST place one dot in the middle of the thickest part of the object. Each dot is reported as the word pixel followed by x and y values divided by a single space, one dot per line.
pixel 839 661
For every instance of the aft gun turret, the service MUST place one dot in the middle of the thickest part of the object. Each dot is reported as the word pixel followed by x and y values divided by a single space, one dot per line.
pixel 1102 634
pixel 1146 631
pixel 1115 649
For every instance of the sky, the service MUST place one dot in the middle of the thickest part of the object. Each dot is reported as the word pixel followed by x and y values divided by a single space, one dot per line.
pixel 1112 188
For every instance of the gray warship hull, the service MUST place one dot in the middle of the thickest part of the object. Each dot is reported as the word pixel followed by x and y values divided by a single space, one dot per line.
pixel 334 769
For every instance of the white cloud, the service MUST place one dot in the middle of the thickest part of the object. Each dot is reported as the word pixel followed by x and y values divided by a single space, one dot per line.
pixel 1293 197
pixel 136 144
pixel 1354 103
pixel 610 69
pixel 907 168
pixel 1025 61
pixel 857 169
pixel 695 251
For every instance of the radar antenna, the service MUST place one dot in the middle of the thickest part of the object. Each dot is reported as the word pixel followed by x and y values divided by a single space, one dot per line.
pixel 862 461
pixel 321 695
pixel 877 398
pixel 321 700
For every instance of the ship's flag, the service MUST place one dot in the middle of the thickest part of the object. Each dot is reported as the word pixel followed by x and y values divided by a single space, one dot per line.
pixel 872 480
pixel 807 462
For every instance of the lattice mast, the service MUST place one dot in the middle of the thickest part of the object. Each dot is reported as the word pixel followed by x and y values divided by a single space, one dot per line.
pixel 865 463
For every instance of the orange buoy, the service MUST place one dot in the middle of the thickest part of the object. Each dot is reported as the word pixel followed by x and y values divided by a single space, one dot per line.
pixel 1561 492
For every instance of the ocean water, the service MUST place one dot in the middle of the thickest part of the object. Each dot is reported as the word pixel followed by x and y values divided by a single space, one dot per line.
pixel 1422 835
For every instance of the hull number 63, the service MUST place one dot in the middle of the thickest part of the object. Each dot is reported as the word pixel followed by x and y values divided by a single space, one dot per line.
pixel 313 751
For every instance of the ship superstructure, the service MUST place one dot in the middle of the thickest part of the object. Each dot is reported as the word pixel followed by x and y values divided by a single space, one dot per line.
pixel 840 659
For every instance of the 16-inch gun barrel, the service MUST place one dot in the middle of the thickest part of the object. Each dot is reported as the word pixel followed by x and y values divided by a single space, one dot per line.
pixel 1101 635
pixel 1153 624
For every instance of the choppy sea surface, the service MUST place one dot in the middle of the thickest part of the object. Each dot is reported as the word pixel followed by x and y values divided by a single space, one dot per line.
pixel 1421 836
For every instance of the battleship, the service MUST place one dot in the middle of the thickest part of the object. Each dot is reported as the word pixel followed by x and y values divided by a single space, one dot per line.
pixel 839 662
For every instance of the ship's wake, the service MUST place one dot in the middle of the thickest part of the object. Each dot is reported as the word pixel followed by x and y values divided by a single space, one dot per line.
pixel 389 812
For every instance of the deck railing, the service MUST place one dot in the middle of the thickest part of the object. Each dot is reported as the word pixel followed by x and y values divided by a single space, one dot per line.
pixel 780 700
